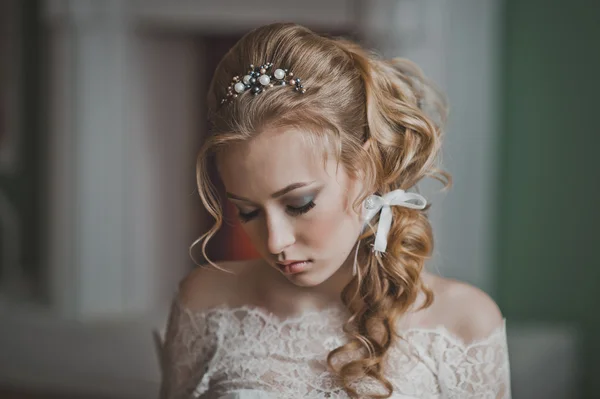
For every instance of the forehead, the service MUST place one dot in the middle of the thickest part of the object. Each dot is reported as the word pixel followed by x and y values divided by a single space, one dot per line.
pixel 272 160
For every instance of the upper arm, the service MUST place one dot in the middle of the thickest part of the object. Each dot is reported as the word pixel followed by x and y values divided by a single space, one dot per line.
pixel 184 354
pixel 189 340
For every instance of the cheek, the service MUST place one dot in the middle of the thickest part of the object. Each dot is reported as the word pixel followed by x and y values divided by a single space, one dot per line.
pixel 329 231
pixel 320 230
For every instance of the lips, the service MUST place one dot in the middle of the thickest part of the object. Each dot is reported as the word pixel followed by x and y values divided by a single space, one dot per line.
pixel 290 262
pixel 293 266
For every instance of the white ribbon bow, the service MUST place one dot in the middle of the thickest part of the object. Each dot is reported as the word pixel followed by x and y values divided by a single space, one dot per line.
pixel 374 204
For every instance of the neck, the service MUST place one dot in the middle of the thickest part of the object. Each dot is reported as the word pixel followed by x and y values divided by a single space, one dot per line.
pixel 279 294
pixel 331 289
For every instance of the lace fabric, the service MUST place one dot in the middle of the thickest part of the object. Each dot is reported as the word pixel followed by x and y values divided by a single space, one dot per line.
pixel 216 352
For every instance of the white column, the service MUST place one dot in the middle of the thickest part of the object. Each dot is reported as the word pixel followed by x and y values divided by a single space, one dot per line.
pixel 90 229
pixel 472 42
pixel 456 44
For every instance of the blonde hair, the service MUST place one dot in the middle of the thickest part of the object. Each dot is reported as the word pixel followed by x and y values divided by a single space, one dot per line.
pixel 352 97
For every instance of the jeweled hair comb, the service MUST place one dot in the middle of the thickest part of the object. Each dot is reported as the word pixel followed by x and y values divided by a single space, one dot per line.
pixel 259 78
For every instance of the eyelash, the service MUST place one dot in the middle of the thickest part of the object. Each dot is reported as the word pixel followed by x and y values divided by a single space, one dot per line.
pixel 246 217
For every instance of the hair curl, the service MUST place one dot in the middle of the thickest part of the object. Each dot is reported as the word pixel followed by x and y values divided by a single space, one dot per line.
pixel 352 97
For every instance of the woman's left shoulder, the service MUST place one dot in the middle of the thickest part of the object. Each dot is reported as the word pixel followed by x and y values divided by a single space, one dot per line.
pixel 465 310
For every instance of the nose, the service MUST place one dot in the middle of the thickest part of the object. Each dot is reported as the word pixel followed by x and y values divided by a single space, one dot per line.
pixel 280 234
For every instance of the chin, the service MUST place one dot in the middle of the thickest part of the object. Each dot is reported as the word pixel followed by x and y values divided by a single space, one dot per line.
pixel 304 280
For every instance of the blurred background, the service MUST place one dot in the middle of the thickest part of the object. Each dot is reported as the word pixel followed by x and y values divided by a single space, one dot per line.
pixel 101 115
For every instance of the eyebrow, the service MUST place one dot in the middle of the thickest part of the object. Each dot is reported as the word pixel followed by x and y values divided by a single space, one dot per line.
pixel 276 194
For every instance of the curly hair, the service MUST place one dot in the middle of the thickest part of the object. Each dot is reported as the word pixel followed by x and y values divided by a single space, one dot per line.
pixel 353 97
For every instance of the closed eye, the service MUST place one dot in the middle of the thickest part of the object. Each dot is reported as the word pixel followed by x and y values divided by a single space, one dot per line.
pixel 246 217
pixel 296 211
pixel 292 210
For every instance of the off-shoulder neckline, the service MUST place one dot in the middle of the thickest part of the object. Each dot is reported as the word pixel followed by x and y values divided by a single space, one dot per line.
pixel 332 310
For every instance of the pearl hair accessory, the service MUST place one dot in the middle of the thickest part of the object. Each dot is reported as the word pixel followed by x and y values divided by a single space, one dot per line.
pixel 258 79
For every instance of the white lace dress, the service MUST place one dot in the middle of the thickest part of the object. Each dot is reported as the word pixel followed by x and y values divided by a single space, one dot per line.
pixel 248 353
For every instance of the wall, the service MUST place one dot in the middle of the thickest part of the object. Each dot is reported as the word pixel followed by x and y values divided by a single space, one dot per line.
pixel 22 154
pixel 550 187
pixel 455 42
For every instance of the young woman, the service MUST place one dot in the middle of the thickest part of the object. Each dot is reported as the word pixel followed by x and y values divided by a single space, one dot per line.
pixel 319 145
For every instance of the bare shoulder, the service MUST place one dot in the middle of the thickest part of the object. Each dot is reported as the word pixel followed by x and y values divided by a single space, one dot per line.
pixel 465 310
pixel 206 286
